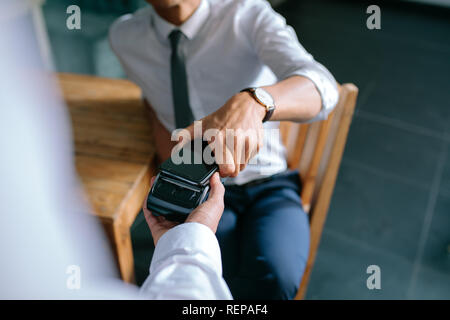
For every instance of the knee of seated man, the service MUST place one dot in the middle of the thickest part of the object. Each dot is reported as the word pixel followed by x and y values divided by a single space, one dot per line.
pixel 276 279
pixel 272 286
pixel 284 274
pixel 282 282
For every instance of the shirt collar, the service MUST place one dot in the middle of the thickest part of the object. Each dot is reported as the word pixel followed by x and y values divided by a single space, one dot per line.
pixel 190 27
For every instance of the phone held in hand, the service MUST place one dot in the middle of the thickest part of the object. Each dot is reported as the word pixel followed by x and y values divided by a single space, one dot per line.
pixel 180 188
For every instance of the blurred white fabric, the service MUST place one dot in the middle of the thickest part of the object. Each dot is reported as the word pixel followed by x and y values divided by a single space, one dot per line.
pixel 186 265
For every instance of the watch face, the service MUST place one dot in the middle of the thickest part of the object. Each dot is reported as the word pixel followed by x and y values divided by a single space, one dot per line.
pixel 263 96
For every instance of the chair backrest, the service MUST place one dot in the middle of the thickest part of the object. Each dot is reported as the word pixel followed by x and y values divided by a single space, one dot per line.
pixel 316 150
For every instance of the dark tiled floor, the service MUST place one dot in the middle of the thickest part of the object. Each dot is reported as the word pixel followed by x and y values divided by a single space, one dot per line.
pixel 391 205
pixel 375 208
pixel 445 184
pixel 393 150
pixel 431 284
pixel 340 271
pixel 418 88
pixel 437 249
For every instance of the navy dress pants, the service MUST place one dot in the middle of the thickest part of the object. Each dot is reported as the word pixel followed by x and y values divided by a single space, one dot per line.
pixel 264 238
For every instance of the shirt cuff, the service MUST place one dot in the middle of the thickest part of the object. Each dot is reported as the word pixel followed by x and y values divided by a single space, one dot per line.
pixel 327 89
pixel 190 238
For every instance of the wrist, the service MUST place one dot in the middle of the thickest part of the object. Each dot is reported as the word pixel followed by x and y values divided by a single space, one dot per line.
pixel 258 109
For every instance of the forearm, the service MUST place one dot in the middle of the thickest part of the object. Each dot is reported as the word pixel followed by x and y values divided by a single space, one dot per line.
pixel 296 99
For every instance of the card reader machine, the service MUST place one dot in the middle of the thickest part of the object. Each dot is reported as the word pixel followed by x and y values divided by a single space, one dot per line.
pixel 180 188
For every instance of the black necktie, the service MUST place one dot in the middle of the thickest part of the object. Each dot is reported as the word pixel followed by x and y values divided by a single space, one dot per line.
pixel 180 94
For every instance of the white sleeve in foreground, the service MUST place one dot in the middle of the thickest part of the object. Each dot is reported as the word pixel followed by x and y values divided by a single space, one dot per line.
pixel 186 264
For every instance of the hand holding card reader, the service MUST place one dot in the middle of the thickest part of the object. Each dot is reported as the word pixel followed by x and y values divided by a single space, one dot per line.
pixel 180 188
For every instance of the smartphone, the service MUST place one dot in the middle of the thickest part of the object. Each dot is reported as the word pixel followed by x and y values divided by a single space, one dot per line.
pixel 180 188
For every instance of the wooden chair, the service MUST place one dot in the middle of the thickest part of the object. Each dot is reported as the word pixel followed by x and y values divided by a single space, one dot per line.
pixel 316 151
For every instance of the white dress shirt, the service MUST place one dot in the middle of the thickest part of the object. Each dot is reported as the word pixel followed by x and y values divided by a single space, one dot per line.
pixel 186 264
pixel 229 45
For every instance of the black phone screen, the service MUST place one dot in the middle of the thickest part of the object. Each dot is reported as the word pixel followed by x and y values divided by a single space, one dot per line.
pixel 195 172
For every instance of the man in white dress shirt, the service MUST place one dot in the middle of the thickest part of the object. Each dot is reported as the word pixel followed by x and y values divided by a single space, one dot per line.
pixel 234 64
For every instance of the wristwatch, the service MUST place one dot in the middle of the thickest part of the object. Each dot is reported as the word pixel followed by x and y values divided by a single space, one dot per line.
pixel 263 98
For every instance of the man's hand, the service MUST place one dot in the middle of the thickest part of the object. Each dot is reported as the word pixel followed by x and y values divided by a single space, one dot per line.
pixel 244 116
pixel 208 213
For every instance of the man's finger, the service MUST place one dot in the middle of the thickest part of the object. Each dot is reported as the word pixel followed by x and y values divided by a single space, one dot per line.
pixel 192 132
pixel 209 212
pixel 238 154
pixel 227 168
pixel 217 189
pixel 224 159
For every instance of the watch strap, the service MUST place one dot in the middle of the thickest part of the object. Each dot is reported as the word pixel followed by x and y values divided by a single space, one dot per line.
pixel 269 109
pixel 269 113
